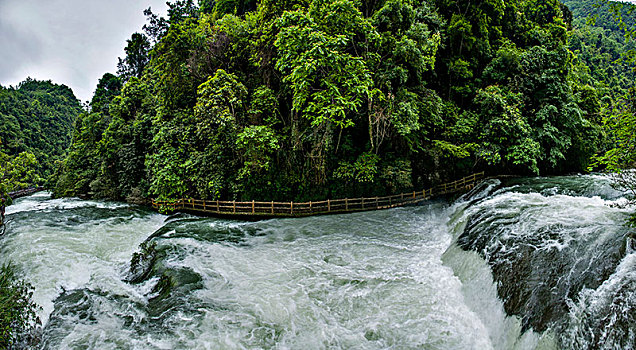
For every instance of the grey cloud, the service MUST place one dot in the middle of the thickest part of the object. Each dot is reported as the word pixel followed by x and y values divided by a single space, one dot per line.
pixel 72 42
pixel 18 48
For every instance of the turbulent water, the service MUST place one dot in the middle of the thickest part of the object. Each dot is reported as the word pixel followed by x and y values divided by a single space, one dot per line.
pixel 542 263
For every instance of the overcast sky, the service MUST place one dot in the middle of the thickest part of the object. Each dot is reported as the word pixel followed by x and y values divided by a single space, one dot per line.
pixel 71 42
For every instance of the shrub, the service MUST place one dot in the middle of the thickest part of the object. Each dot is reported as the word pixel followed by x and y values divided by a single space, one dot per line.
pixel 18 313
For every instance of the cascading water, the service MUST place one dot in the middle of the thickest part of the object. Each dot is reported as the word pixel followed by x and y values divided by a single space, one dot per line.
pixel 561 256
pixel 528 264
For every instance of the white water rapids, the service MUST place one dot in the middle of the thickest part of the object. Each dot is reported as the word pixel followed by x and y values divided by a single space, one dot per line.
pixel 391 279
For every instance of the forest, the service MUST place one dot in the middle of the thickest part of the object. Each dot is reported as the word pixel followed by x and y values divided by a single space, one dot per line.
pixel 36 124
pixel 323 99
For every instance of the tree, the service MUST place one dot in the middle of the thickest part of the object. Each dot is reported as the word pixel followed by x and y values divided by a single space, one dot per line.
pixel 37 117
pixel 18 172
pixel 180 10
pixel 305 99
pixel 18 312
pixel 327 81
pixel 108 87
pixel 137 57
pixel 506 138
pixel 156 27
pixel 620 158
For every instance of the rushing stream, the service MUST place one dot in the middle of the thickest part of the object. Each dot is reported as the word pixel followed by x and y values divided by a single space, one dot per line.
pixel 543 263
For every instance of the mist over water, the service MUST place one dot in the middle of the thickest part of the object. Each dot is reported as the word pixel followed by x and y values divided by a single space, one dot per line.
pixel 525 264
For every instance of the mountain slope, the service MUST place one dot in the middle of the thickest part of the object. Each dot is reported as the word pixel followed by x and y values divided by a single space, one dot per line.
pixel 37 117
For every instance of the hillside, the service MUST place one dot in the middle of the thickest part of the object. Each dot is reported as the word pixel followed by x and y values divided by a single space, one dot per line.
pixel 599 41
pixel 612 15
pixel 37 117
pixel 317 99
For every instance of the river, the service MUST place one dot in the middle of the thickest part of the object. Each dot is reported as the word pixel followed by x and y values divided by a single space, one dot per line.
pixel 535 263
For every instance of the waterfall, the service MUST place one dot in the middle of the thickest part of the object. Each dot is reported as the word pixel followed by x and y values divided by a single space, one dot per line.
pixel 541 263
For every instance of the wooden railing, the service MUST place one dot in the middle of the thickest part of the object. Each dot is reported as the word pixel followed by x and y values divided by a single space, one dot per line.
pixel 294 209
pixel 25 192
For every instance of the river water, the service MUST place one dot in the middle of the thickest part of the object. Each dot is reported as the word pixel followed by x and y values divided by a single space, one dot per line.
pixel 542 263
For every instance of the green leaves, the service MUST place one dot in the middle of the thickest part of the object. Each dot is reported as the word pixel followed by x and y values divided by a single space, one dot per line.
pixel 18 312
pixel 364 169
pixel 220 98
pixel 621 154
pixel 137 57
pixel 506 136
pixel 18 172
pixel 315 98
pixel 256 143
pixel 37 117
pixel 327 81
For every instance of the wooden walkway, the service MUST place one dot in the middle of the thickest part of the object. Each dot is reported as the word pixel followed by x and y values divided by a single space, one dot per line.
pixel 15 195
pixel 329 206
pixel 25 192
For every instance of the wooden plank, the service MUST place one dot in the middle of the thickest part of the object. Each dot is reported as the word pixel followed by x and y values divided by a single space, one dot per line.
pixel 319 207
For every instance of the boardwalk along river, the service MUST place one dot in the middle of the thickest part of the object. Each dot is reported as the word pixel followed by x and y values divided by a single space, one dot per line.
pixel 540 263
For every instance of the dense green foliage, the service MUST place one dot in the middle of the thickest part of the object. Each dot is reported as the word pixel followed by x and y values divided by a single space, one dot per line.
pixel 36 117
pixel 18 318
pixel 604 40
pixel 623 125
pixel 615 16
pixel 602 46
pixel 306 99
pixel 17 172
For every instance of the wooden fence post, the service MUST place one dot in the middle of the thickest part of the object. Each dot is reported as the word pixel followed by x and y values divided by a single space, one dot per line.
pixel 464 183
